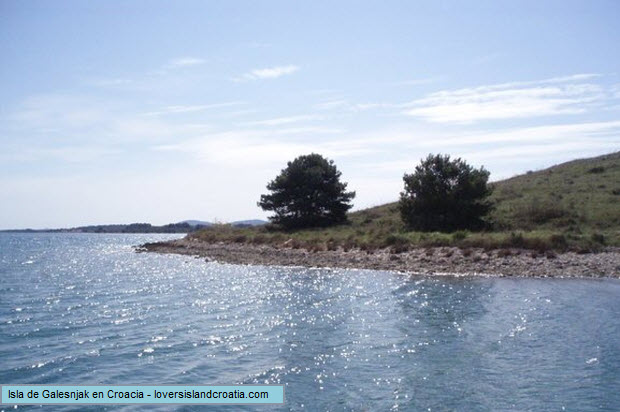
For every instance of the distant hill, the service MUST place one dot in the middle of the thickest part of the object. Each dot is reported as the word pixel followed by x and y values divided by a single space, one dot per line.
pixel 248 223
pixel 196 223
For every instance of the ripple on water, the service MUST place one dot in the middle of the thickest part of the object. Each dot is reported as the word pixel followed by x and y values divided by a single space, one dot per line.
pixel 338 339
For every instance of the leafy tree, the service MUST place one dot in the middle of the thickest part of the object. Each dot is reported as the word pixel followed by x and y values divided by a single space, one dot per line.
pixel 445 195
pixel 308 193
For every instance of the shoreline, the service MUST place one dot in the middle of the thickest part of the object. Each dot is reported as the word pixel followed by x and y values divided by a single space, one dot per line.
pixel 428 261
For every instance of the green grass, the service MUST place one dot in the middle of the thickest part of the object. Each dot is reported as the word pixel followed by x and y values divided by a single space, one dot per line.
pixel 571 206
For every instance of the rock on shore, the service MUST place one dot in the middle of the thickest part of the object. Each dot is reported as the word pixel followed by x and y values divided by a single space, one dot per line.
pixel 440 260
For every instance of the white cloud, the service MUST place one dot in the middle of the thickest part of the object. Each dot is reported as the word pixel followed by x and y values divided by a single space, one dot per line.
pixel 324 92
pixel 417 82
pixel 184 62
pixel 342 105
pixel 585 132
pixel 260 148
pixel 192 108
pixel 332 104
pixel 307 130
pixel 238 147
pixel 554 96
pixel 67 120
pixel 552 80
pixel 401 149
pixel 504 152
pixel 369 106
pixel 68 154
pixel 577 149
pixel 284 120
pixel 268 73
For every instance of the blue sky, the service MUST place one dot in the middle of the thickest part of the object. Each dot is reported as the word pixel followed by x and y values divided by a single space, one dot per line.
pixel 158 111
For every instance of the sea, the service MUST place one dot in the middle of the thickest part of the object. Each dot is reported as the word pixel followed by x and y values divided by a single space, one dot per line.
pixel 88 309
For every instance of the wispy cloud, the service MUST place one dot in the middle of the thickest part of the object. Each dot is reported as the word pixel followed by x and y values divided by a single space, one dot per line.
pixel 342 105
pixel 73 119
pixel 268 73
pixel 332 104
pixel 191 108
pixel 284 120
pixel 552 134
pixel 584 133
pixel 263 148
pixel 417 82
pixel 307 130
pixel 400 150
pixel 558 95
pixel 68 154
pixel 507 151
pixel 184 62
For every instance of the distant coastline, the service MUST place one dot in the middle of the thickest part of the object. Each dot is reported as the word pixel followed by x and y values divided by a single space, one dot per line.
pixel 186 226
pixel 130 228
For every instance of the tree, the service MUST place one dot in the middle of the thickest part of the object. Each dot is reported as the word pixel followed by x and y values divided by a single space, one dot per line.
pixel 308 193
pixel 445 195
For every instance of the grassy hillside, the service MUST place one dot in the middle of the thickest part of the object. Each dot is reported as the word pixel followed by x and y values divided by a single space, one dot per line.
pixel 579 195
pixel 571 206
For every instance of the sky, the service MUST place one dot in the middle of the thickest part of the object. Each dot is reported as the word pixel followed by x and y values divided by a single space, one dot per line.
pixel 158 111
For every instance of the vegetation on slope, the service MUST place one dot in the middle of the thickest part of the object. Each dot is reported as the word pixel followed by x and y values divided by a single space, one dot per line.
pixel 571 206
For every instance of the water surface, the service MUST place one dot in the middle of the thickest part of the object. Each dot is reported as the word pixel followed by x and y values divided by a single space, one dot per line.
pixel 86 309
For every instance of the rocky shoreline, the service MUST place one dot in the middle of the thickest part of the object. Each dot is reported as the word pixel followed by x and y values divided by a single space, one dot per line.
pixel 439 260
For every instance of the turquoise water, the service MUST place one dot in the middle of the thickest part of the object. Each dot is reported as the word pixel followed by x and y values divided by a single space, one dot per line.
pixel 86 309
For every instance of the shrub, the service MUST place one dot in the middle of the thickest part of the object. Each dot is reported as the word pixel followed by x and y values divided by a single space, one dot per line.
pixel 540 211
pixel 240 238
pixel 597 170
pixel 558 241
pixel 445 195
pixel 459 235
pixel 393 239
pixel 516 240
pixel 259 239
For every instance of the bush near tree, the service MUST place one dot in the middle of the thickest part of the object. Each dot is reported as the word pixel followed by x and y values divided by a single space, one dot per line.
pixel 308 193
pixel 445 195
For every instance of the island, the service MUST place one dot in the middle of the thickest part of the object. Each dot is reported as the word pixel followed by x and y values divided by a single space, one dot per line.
pixel 563 221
